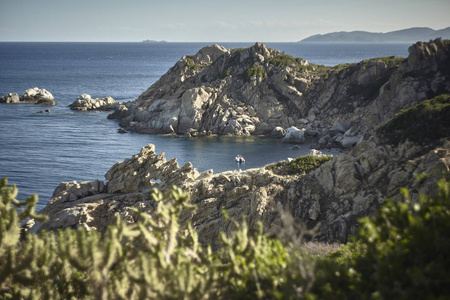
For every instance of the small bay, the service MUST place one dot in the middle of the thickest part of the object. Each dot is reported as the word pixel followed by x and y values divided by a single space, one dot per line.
pixel 38 151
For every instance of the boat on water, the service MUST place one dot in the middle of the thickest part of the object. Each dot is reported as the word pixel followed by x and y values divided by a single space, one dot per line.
pixel 239 159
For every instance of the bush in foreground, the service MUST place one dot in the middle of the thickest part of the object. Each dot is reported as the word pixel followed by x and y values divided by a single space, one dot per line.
pixel 151 259
pixel 402 253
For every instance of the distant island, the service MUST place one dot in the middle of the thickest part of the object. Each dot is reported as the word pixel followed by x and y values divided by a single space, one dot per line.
pixel 410 35
pixel 153 41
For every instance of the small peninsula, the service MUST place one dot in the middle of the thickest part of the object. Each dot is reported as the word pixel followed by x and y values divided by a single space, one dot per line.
pixel 410 35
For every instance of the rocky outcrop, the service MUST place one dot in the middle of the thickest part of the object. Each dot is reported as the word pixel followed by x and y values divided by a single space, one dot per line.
pixel 34 95
pixel 333 196
pixel 85 102
pixel 38 96
pixel 10 98
pixel 343 108
pixel 252 91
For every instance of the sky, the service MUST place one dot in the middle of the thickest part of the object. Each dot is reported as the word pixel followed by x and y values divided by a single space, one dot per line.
pixel 210 20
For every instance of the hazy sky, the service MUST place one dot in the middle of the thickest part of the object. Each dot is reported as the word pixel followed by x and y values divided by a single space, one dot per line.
pixel 210 20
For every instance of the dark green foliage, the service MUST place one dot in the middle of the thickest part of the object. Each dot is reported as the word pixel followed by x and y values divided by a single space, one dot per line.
pixel 423 123
pixel 283 60
pixel 255 70
pixel 191 64
pixel 402 253
pixel 298 165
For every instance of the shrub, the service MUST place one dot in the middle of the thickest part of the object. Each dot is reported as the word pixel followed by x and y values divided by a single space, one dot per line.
pixel 152 259
pixel 298 165
pixel 282 60
pixel 422 123
pixel 191 64
pixel 401 253
pixel 256 70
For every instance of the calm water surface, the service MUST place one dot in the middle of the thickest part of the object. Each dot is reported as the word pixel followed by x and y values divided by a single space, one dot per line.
pixel 38 151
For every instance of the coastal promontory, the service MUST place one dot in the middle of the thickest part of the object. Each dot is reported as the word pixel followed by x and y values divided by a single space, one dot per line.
pixel 391 114
pixel 253 91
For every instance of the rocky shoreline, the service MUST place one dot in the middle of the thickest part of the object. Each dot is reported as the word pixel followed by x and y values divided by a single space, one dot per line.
pixel 261 91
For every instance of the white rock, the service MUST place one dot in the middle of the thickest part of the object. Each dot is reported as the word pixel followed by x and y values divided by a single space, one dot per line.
pixel 294 135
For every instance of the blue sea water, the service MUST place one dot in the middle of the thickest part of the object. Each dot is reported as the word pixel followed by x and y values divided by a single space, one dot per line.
pixel 38 151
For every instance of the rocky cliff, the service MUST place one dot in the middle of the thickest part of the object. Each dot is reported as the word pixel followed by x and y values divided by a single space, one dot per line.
pixel 357 102
pixel 333 196
pixel 255 90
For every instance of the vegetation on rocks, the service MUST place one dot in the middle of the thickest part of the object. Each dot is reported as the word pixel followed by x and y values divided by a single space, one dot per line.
pixel 283 60
pixel 422 123
pixel 298 165
pixel 400 253
pixel 255 70
pixel 191 64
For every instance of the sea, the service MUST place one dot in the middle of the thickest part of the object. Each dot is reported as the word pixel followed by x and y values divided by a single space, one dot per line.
pixel 39 151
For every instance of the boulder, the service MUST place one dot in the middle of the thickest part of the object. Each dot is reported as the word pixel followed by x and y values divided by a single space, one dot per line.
pixel 47 111
pixel 35 95
pixel 85 102
pixel 10 98
pixel 278 132
pixel 294 135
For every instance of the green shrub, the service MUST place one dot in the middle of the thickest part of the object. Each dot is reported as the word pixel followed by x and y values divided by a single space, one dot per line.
pixel 422 123
pixel 255 70
pixel 298 165
pixel 401 253
pixel 282 60
pixel 191 64
pixel 152 259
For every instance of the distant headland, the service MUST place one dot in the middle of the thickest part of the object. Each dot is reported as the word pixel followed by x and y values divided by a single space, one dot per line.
pixel 154 41
pixel 410 35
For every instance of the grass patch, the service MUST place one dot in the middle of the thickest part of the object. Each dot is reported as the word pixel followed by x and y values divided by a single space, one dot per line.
pixel 300 164
pixel 423 123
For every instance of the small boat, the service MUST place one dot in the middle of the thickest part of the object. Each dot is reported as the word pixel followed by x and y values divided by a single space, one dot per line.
pixel 239 159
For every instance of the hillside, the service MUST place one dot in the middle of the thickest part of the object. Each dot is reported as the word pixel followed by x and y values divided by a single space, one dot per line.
pixel 369 107
pixel 410 35
pixel 262 91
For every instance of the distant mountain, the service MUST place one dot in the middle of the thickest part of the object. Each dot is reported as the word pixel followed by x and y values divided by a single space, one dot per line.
pixel 410 35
